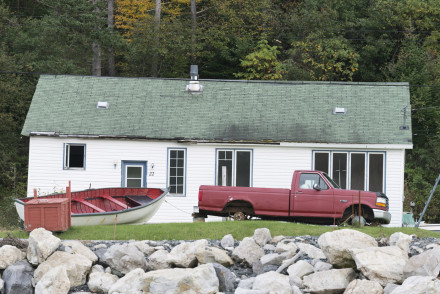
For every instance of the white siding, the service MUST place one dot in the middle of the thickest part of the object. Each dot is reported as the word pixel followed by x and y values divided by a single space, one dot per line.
pixel 272 167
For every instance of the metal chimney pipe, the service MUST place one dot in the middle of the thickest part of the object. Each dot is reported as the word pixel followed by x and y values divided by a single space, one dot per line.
pixel 194 72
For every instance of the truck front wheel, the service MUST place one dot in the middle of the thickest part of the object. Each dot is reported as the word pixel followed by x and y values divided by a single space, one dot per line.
pixel 239 216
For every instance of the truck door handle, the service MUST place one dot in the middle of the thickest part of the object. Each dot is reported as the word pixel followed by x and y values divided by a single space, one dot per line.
pixel 299 192
pixel 343 201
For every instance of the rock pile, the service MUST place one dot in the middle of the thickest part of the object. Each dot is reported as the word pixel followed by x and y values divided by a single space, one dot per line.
pixel 343 261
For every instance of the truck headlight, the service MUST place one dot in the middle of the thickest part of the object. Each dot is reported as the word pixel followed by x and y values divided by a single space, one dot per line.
pixel 381 201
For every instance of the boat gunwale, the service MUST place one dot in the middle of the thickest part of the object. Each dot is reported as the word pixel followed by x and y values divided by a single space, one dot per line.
pixel 165 192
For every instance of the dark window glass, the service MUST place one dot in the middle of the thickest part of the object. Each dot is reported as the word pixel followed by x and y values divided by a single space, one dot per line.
pixel 243 169
pixel 357 172
pixel 375 173
pixel 75 156
pixel 321 161
pixel 339 170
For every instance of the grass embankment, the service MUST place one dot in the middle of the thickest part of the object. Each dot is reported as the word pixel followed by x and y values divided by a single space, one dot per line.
pixel 211 230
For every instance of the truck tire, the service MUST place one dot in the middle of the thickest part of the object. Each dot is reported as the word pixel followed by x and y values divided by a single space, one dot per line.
pixel 239 216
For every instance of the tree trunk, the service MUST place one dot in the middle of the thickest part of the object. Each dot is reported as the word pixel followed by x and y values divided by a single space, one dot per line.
pixel 111 53
pixel 96 50
pixel 96 64
pixel 193 32
pixel 155 59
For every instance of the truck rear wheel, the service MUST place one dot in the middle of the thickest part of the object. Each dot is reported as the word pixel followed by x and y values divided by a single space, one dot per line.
pixel 239 216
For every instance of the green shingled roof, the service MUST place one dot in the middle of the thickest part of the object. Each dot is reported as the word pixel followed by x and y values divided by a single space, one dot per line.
pixel 226 111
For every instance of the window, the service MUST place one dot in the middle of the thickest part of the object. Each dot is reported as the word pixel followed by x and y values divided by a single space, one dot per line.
pixel 75 155
pixel 307 181
pixel 353 170
pixel 234 168
pixel 339 170
pixel 357 171
pixel 322 161
pixel 177 171
pixel 134 174
pixel 375 175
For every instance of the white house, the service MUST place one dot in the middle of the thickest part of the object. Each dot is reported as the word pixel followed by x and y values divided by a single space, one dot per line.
pixel 111 131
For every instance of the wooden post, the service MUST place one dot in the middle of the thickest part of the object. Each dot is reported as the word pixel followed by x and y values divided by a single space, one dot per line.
pixel 359 212
pixel 35 194
pixel 69 207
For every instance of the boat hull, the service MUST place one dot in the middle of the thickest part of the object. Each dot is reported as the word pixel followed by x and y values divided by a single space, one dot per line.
pixel 132 215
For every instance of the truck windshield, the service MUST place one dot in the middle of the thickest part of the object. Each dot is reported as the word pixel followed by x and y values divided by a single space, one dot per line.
pixel 336 186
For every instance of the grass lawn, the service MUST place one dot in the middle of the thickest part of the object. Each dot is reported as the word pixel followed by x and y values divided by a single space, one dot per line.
pixel 210 230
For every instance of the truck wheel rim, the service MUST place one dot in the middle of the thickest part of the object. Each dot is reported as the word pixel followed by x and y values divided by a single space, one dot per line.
pixel 239 216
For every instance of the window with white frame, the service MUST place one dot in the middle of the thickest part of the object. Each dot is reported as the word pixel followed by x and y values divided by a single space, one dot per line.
pixel 177 171
pixel 234 168
pixel 353 169
pixel 134 174
pixel 74 156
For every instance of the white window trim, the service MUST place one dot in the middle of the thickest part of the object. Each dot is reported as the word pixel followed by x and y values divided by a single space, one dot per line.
pixel 66 156
pixel 169 170
pixel 367 165
pixel 234 164
pixel 366 169
pixel 383 169
pixel 347 171
pixel 142 174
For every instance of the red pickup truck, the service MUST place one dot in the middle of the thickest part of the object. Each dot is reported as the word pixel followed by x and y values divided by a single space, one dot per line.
pixel 313 196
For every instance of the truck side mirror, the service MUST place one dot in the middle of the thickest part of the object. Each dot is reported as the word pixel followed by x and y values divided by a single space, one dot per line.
pixel 316 187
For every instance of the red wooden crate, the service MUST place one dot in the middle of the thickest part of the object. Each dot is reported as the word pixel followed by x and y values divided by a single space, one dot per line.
pixel 51 214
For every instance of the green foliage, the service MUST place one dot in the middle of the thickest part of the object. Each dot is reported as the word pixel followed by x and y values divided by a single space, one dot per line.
pixel 324 60
pixel 358 40
pixel 262 64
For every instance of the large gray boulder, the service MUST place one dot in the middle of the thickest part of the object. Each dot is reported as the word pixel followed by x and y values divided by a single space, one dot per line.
pixel 227 241
pixel 328 282
pixel 336 245
pixel 184 254
pixel 363 287
pixel 10 255
pixel 381 264
pixel 101 282
pixel 273 282
pixel 79 248
pixel 132 282
pixel 202 279
pixel 286 245
pixel 418 285
pixel 208 254
pixel 424 264
pixel 144 247
pixel 310 250
pixel 400 240
pixel 300 269
pixel 55 281
pixel 124 258
pixel 225 278
pixel 77 267
pixel 262 236
pixel 158 260
pixel 41 245
pixel 248 251
pixel 18 278
pixel 274 258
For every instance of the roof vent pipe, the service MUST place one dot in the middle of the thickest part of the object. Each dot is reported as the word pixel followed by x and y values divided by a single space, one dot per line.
pixel 194 86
